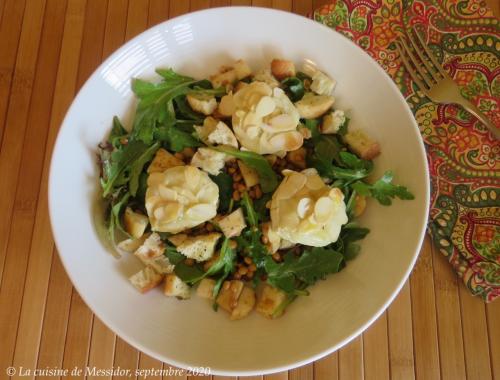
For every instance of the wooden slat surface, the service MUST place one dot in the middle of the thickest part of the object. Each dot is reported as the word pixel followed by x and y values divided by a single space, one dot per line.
pixel 433 330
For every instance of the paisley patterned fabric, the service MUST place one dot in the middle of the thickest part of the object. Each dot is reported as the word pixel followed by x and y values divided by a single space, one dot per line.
pixel 464 158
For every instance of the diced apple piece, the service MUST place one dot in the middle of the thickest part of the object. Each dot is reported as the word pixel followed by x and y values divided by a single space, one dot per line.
pixel 229 295
pixel 246 303
pixel 269 301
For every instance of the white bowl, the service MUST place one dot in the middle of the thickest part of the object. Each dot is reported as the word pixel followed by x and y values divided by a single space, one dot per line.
pixel 188 334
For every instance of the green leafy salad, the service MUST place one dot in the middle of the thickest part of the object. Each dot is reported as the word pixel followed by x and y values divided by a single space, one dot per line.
pixel 245 186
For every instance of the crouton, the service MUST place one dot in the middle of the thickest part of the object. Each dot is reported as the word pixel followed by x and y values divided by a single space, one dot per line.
pixel 205 104
pixel 201 247
pixel 131 245
pixel 229 295
pixel 163 160
pixel 209 160
pixel 249 175
pixel 312 106
pixel 226 105
pixel 232 224
pixel 242 69
pixel 282 68
pixel 362 145
pixel 269 301
pixel 153 247
pixel 272 239
pixel 206 288
pixel 135 223
pixel 214 132
pixel 177 239
pixel 245 304
pixel 332 122
pixel 322 84
pixel 161 264
pixel 223 79
pixel 265 76
pixel 146 279
pixel 175 287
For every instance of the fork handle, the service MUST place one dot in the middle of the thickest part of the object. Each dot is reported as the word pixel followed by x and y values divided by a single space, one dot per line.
pixel 481 117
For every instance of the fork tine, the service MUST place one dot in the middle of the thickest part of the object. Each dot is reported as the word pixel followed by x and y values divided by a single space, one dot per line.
pixel 414 60
pixel 431 55
pixel 430 69
pixel 409 68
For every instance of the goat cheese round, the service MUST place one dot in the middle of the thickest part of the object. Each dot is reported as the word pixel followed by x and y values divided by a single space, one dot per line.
pixel 305 210
pixel 180 198
pixel 265 121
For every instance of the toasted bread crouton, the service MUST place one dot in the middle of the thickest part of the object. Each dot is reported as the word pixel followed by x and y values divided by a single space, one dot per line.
pixel 209 160
pixel 215 132
pixel 269 300
pixel 265 76
pixel 229 295
pixel 201 247
pixel 312 106
pixel 249 175
pixel 135 223
pixel 332 122
pixel 232 224
pixel 242 69
pixel 163 160
pixel 206 288
pixel 161 264
pixel 175 287
pixel 177 239
pixel 362 145
pixel 131 245
pixel 153 247
pixel 282 68
pixel 245 304
pixel 223 79
pixel 146 279
pixel 272 239
pixel 226 105
pixel 322 84
pixel 204 104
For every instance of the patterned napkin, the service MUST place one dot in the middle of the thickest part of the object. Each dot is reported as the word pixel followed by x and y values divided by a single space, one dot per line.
pixel 464 159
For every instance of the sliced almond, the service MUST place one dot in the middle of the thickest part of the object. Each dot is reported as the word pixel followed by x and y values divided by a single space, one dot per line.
pixel 167 193
pixel 304 206
pixel 283 122
pixel 200 211
pixel 287 141
pixel 192 175
pixel 323 209
pixel 265 106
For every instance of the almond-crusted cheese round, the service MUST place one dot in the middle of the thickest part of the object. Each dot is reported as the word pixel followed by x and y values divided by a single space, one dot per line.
pixel 180 198
pixel 306 211
pixel 265 121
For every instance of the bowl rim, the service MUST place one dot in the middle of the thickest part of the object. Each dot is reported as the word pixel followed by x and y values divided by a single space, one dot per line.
pixel 218 371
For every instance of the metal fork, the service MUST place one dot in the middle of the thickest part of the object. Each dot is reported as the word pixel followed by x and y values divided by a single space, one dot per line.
pixel 433 80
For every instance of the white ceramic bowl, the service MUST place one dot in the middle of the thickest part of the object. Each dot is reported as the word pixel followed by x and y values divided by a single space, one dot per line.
pixel 190 333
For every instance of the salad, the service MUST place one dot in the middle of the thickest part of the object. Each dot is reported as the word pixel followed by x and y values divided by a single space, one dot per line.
pixel 245 186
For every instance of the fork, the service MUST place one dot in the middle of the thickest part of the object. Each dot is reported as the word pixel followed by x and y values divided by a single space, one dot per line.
pixel 433 80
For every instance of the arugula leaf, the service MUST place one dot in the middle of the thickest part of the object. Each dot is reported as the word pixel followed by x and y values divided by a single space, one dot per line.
pixel 174 256
pixel 260 208
pixel 354 162
pixel 294 88
pixel 267 176
pixel 252 217
pixel 314 264
pixel 186 112
pixel 313 126
pixel 175 138
pixel 155 103
pixel 189 274
pixel 217 92
pixel 303 76
pixel 349 234
pixel 383 190
pixel 116 168
pixel 225 184
pixel 172 78
pixel 344 127
pixel 138 165
pixel 118 132
pixel 225 263
pixel 118 202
